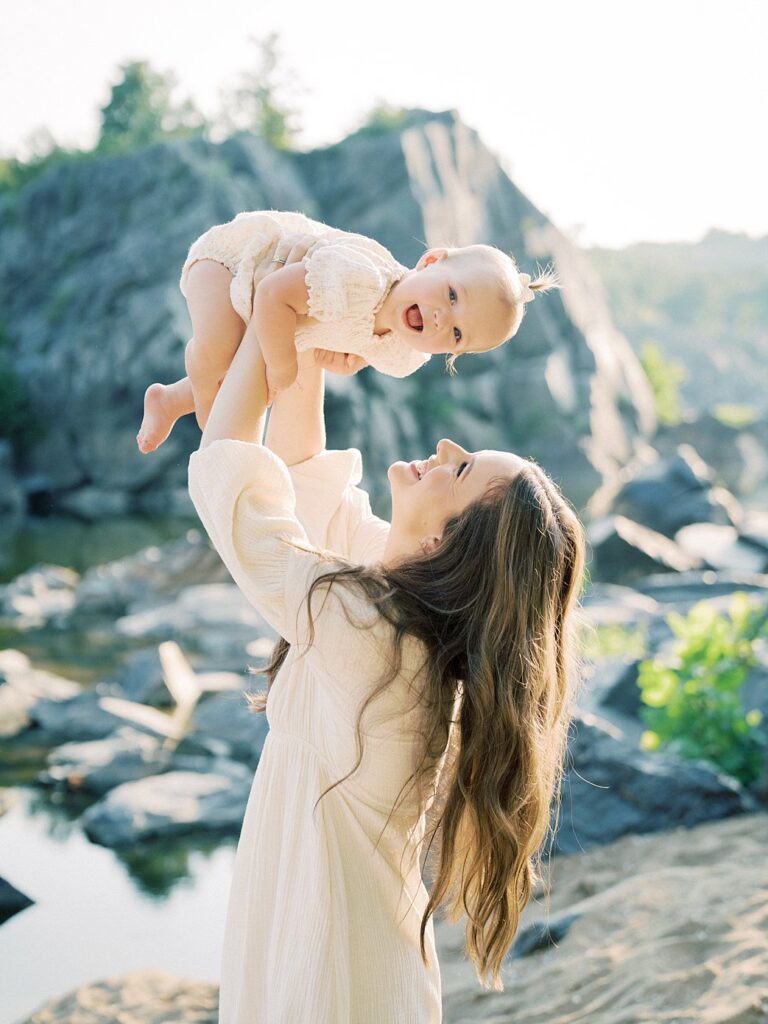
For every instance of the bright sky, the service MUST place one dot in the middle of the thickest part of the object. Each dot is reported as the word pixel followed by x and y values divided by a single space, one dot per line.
pixel 622 122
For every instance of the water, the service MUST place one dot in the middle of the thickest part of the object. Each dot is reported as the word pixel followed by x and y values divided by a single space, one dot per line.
pixel 97 912
pixel 71 542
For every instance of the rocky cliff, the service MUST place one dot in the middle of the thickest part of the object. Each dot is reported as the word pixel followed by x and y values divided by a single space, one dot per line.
pixel 89 299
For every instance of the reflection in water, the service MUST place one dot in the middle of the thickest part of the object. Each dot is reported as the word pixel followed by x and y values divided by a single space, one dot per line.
pixel 79 545
pixel 99 913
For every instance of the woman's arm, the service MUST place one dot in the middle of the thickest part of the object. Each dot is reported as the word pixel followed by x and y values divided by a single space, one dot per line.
pixel 296 427
pixel 240 404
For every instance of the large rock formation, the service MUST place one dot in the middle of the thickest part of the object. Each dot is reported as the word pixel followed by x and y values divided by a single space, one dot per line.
pixel 89 270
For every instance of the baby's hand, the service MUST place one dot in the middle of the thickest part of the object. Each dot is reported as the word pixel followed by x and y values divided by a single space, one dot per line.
pixel 279 379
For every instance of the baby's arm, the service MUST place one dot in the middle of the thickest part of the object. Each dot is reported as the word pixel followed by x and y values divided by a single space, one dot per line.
pixel 278 300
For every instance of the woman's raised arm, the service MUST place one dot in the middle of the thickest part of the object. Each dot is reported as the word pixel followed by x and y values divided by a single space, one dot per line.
pixel 296 426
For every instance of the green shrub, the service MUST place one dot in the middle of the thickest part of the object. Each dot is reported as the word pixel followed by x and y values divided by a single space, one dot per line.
pixel 614 641
pixel 692 695
pixel 732 414
pixel 665 377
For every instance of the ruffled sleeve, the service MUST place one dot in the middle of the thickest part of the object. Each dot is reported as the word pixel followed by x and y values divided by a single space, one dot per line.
pixel 335 512
pixel 245 499
pixel 349 278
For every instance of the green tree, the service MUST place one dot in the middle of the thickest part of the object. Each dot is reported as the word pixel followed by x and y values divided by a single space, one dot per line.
pixel 381 118
pixel 665 376
pixel 259 103
pixel 42 152
pixel 140 110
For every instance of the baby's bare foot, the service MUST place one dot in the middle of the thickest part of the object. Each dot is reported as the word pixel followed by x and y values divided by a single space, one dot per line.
pixel 160 413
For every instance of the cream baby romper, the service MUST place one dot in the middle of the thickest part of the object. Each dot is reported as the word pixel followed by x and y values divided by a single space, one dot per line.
pixel 347 281
pixel 322 925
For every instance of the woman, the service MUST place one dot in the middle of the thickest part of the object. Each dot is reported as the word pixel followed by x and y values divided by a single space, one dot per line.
pixel 432 649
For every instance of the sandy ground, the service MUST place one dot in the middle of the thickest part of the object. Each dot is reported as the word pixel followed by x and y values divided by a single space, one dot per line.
pixel 674 930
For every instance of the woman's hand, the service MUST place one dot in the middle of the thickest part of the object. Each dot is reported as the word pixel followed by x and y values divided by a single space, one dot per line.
pixel 345 363
pixel 291 249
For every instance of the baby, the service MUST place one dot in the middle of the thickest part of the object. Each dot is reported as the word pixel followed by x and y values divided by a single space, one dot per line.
pixel 349 294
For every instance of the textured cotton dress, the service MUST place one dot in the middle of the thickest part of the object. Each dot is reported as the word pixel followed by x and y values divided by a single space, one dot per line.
pixel 322 924
pixel 347 281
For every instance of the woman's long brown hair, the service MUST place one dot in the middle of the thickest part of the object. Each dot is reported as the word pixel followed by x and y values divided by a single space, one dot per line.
pixel 492 604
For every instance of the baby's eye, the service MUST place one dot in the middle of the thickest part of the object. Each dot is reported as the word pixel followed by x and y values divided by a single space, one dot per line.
pixel 452 295
pixel 457 333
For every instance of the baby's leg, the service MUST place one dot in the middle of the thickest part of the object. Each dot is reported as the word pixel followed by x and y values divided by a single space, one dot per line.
pixel 163 405
pixel 217 333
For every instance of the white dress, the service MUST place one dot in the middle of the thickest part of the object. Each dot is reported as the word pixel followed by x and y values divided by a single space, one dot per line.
pixel 321 927
pixel 347 281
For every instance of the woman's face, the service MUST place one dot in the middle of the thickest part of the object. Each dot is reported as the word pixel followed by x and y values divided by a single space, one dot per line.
pixel 427 493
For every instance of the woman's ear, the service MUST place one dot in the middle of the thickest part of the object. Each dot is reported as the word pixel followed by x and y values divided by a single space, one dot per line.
pixel 429 544
pixel 431 256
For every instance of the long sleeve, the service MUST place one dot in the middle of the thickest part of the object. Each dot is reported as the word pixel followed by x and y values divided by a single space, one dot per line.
pixel 334 510
pixel 246 501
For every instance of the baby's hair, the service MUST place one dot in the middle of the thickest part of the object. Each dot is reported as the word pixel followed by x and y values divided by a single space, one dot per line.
pixel 512 290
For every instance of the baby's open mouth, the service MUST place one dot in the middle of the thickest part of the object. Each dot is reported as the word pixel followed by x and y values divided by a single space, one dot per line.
pixel 413 318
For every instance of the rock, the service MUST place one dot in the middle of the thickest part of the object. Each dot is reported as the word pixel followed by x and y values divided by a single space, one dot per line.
pixel 623 550
pixel 97 766
pixel 140 678
pixel 171 804
pixel 226 719
pixel 80 718
pixel 753 529
pixel 611 604
pixel 93 503
pixel 42 593
pixel 614 789
pixel 11 900
pixel 141 997
pixel 13 502
pixel 721 547
pixel 152 573
pixel 568 390
pixel 736 455
pixel 669 493
pixel 207 613
pixel 611 692
pixel 24 689
pixel 686 588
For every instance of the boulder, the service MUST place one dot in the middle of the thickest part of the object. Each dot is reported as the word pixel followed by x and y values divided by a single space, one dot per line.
pixel 11 900
pixel 211 799
pixel 666 494
pixel 25 690
pixel 721 547
pixel 140 997
pixel 737 455
pixel 622 550
pixel 614 789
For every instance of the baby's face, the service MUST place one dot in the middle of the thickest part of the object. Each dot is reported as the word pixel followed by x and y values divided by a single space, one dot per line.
pixel 451 305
